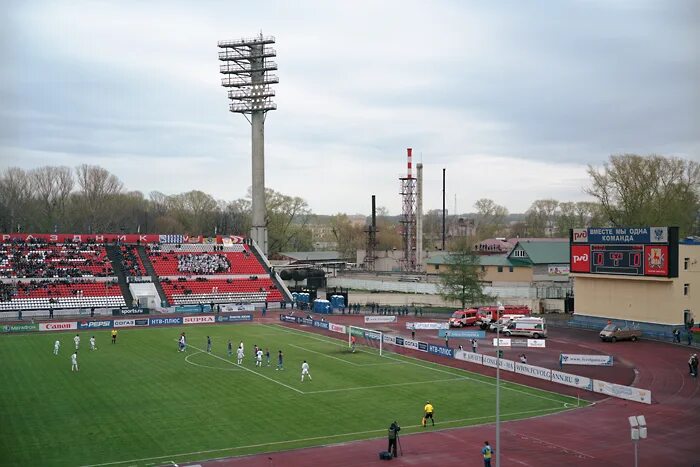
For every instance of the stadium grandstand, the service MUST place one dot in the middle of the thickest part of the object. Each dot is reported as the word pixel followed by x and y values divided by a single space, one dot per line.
pixel 52 272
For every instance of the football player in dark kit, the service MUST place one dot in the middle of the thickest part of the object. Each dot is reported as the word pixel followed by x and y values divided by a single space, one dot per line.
pixel 393 436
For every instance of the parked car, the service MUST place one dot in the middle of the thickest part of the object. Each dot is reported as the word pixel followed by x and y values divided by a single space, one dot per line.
pixel 614 333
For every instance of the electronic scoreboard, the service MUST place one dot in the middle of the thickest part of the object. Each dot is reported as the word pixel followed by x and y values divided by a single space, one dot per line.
pixel 640 251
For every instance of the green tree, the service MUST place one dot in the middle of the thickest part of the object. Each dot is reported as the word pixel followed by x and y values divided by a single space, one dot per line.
pixel 461 278
pixel 638 190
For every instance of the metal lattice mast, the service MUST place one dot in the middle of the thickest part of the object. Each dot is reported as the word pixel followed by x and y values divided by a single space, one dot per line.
pixel 247 66
pixel 371 231
pixel 408 217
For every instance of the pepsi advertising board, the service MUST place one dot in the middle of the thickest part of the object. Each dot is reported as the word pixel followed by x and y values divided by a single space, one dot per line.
pixel 637 251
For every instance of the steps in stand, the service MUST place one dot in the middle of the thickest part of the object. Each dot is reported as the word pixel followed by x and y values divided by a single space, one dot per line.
pixel 115 256
pixel 141 250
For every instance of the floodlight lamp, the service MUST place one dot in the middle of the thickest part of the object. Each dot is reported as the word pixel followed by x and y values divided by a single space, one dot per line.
pixel 635 434
pixel 642 421
pixel 633 421
pixel 643 432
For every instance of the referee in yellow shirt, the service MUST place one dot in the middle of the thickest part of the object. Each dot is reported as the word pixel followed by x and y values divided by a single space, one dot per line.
pixel 428 414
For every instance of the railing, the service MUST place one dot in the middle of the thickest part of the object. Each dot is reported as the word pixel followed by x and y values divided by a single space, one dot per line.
pixel 247 41
pixel 245 54
pixel 238 82
pixel 247 68
pixel 251 93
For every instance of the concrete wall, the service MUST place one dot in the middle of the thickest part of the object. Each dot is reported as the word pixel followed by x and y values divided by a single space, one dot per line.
pixel 652 300
pixel 519 274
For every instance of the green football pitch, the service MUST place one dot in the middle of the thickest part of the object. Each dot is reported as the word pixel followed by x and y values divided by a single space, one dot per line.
pixel 141 402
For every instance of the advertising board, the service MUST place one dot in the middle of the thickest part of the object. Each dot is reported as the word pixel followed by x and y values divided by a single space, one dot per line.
pixel 441 350
pixel 100 324
pixel 427 325
pixel 165 321
pixel 123 323
pixel 321 324
pixel 572 380
pixel 20 327
pixel 592 360
pixel 234 318
pixel 410 344
pixel 62 326
pixel 389 339
pixel 461 334
pixel 336 328
pixel 133 311
pixel 380 319
pixel 141 322
pixel 198 319
pixel 622 392
pixel 534 371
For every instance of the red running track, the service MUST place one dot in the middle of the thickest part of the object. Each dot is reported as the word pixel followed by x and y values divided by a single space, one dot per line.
pixel 596 435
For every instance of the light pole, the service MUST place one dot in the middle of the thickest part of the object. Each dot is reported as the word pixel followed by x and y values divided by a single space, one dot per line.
pixel 501 309
pixel 638 430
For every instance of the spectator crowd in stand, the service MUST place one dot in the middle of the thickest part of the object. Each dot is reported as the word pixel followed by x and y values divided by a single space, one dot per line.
pixel 203 264
pixel 41 260
pixel 129 262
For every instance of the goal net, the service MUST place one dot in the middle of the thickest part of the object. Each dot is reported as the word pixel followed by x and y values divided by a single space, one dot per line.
pixel 366 338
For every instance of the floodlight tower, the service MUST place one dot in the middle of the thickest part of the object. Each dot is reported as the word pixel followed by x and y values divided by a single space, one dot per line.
pixel 247 66
pixel 408 216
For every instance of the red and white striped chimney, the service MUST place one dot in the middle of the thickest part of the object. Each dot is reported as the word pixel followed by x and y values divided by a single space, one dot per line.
pixel 410 162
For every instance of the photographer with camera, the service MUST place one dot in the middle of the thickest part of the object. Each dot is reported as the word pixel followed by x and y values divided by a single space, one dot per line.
pixel 393 436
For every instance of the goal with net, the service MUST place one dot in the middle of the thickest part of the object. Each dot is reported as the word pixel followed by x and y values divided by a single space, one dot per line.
pixel 366 337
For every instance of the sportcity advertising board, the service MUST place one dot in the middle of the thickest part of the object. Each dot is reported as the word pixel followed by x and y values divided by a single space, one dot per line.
pixel 630 251
pixel 380 319
pixel 593 360
pixel 427 326
pixel 461 334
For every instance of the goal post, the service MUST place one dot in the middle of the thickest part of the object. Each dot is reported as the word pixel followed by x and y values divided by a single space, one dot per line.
pixel 366 337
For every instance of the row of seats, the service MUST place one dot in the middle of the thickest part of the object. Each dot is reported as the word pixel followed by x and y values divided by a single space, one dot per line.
pixel 62 302
pixel 51 290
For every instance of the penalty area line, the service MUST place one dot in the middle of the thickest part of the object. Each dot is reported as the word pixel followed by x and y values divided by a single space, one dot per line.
pixel 249 370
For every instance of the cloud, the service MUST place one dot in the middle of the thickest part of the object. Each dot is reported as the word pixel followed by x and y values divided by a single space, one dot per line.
pixel 513 98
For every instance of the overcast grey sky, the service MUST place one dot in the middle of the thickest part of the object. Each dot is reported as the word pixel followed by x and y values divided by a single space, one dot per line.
pixel 513 98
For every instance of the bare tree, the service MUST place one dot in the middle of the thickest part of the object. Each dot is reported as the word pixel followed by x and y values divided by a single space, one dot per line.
pixel 638 190
pixel 97 186
pixel 14 195
pixel 491 218
pixel 51 187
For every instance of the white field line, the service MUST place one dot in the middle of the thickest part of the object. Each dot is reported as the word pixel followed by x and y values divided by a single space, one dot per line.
pixel 208 366
pixel 248 369
pixel 343 360
pixel 314 438
pixel 459 370
pixel 386 385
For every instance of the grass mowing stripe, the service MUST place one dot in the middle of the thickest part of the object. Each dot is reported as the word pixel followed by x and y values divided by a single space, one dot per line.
pixel 490 383
pixel 187 359
pixel 316 438
pixel 432 381
pixel 248 369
